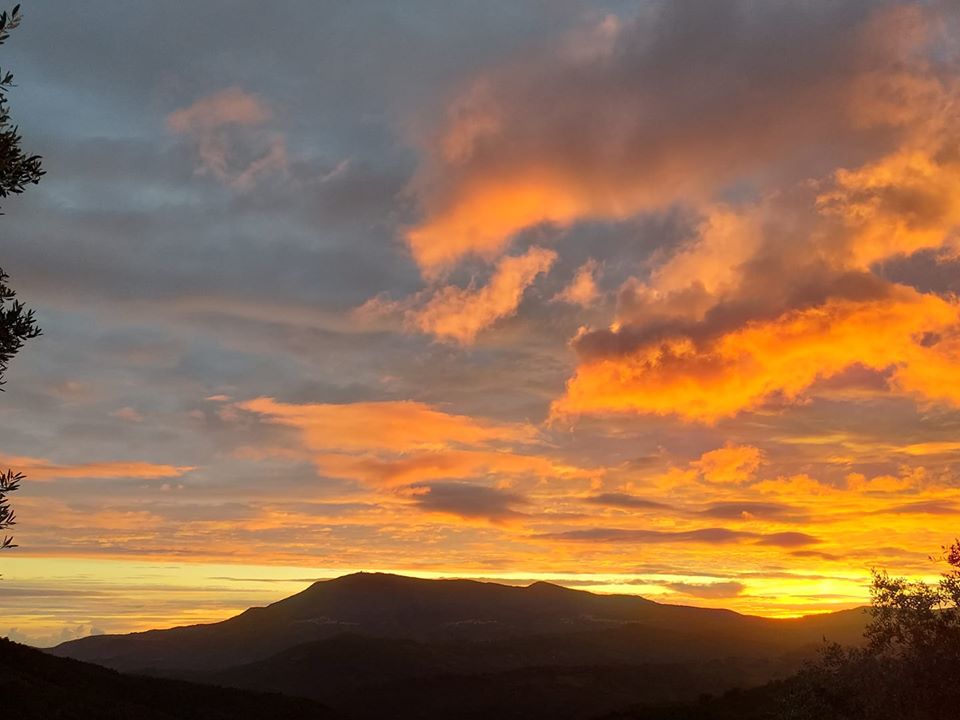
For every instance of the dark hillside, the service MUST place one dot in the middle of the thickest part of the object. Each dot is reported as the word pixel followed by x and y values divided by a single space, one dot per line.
pixel 38 686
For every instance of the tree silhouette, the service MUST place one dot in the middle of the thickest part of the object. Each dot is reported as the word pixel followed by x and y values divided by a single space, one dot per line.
pixel 17 169
pixel 17 323
pixel 9 481
pixel 909 667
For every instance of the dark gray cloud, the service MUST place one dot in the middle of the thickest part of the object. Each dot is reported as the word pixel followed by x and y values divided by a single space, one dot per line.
pixel 924 507
pixel 623 500
pixel 468 500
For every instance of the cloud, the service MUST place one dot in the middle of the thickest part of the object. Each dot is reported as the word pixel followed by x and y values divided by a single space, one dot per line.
pixel 743 510
pixel 715 590
pixel 459 314
pixel 582 290
pixel 393 470
pixel 787 539
pixel 230 141
pixel 40 469
pixel 706 536
pixel 775 359
pixel 393 426
pixel 858 482
pixel 774 295
pixel 228 107
pixel 723 124
pixel 467 500
pixel 675 104
pixel 729 464
pixel 128 414
pixel 925 507
pixel 624 500
pixel 394 443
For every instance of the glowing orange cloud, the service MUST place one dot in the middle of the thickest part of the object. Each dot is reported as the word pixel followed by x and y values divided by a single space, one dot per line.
pixel 444 464
pixel 389 444
pixel 482 223
pixel 901 204
pixel 459 314
pixel 582 290
pixel 395 426
pixel 730 464
pixel 41 469
pixel 744 368
pixel 580 131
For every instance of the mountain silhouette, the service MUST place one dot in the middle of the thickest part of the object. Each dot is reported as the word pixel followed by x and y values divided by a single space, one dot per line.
pixel 557 623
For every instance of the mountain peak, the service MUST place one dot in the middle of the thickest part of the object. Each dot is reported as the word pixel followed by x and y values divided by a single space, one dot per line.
pixel 542 586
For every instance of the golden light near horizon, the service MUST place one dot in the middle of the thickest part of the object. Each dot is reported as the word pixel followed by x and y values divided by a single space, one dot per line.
pixel 657 299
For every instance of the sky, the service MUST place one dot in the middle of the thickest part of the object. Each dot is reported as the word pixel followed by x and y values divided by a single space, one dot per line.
pixel 646 297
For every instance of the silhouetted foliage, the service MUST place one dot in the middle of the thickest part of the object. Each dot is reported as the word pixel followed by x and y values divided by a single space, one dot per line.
pixel 909 668
pixel 17 323
pixel 9 482
pixel 17 169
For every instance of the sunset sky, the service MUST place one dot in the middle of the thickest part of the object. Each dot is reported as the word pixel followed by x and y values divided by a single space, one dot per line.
pixel 644 297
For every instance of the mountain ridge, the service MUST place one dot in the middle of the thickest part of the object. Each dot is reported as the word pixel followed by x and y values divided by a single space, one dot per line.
pixel 385 605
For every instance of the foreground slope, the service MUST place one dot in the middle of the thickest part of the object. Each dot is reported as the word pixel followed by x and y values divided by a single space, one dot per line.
pixel 575 675
pixel 454 611
pixel 37 686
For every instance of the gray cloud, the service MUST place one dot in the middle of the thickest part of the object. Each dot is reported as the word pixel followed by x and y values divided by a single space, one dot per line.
pixel 738 510
pixel 468 500
pixel 708 536
pixel 714 590
pixel 683 101
pixel 623 500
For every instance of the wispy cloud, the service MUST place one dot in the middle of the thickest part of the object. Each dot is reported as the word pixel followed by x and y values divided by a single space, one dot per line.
pixel 231 144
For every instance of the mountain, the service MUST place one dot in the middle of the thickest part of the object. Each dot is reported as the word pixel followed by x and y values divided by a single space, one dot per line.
pixel 37 686
pixel 384 606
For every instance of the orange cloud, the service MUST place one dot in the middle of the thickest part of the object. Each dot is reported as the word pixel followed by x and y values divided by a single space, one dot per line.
pixel 881 483
pixel 390 444
pixel 482 222
pixel 232 106
pixel 900 204
pixel 443 464
pixel 230 145
pixel 393 426
pixel 582 290
pixel 41 469
pixel 744 368
pixel 525 143
pixel 459 314
pixel 730 464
